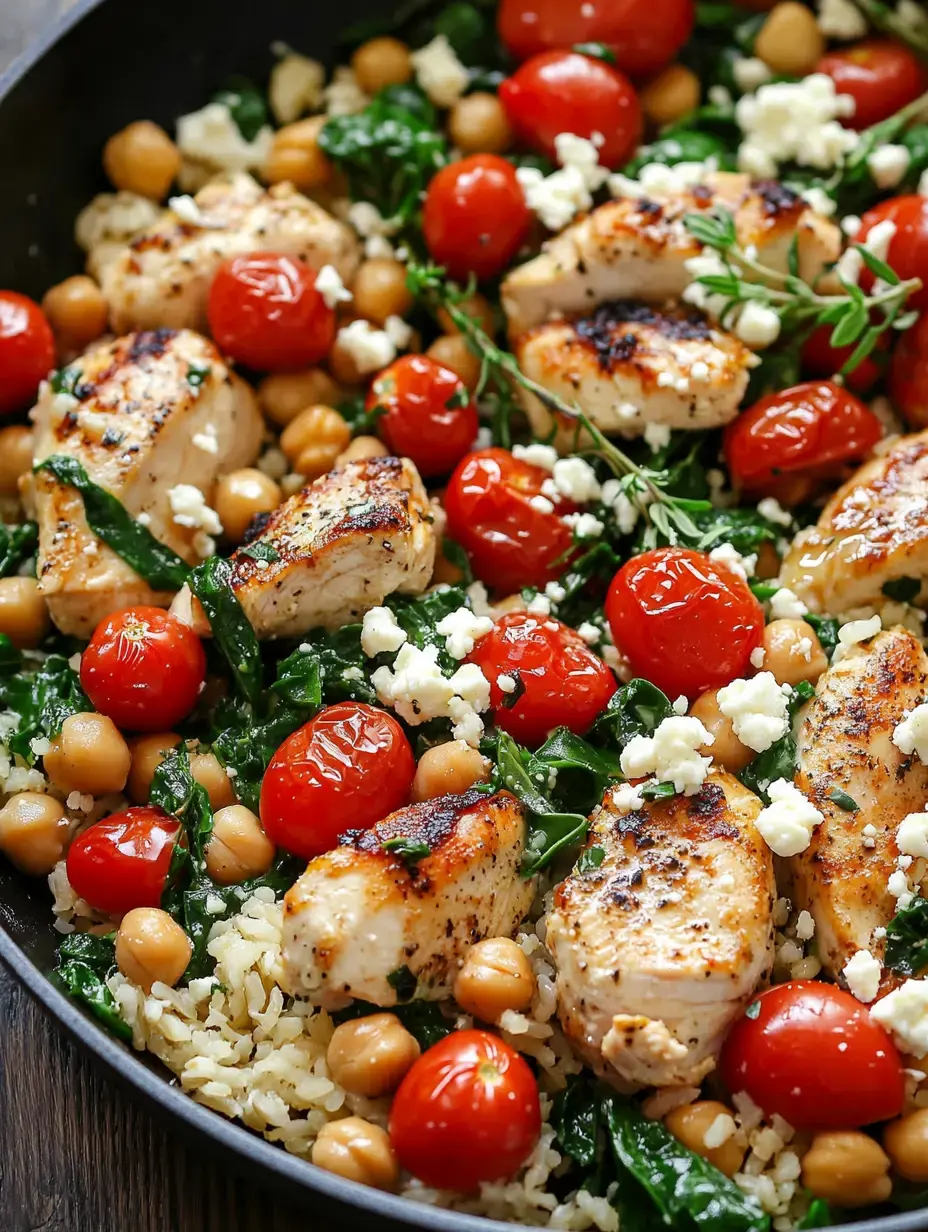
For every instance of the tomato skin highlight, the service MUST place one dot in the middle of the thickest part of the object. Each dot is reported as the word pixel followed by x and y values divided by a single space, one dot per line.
pixel 143 668
pixel 265 312
pixel 695 634
pixel 881 75
pixel 475 218
pixel 908 249
pixel 123 861
pixel 814 1056
pixel 466 1112
pixel 563 91
pixel 27 351
pixel 345 769
pixel 510 543
pixel 418 423
pixel 908 375
pixel 564 682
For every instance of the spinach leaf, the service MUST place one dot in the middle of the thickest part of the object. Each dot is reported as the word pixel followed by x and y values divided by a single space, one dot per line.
pixel 687 145
pixel 11 659
pixel 779 761
pixel 826 628
pixel 419 615
pixel 817 1216
pixel 744 529
pixel 174 789
pixel 907 939
pixel 42 698
pixel 575 1116
pixel 17 544
pixel 635 710
pixel 211 582
pixel 84 964
pixel 585 583
pixel 422 1019
pixel 903 589
pixel 403 983
pixel 247 104
pixel 843 800
pixel 591 858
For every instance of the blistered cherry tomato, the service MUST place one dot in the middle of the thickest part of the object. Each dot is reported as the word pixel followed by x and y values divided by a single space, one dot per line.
pixel 429 415
pixel 683 621
pixel 643 37
pixel 786 442
pixel 143 668
pixel 467 1112
pixel 475 217
pixel 908 375
pixel 880 75
pixel 264 311
pixel 343 770
pixel 511 541
pixel 908 249
pixel 122 862
pixel 812 1054
pixel 565 92
pixel 556 679
pixel 821 359
pixel 27 351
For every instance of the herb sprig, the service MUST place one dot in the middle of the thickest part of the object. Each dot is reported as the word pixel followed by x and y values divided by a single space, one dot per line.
pixel 885 18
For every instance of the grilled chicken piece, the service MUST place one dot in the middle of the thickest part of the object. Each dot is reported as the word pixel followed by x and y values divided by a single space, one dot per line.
pixel 343 544
pixel 163 276
pixel 660 948
pixel 874 529
pixel 133 426
pixel 629 365
pixel 845 741
pixel 636 249
pixel 360 915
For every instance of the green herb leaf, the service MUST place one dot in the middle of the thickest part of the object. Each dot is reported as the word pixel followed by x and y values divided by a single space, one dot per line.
pixel 826 628
pixel 817 1216
pixel 211 583
pixel 247 104
pixel 576 1120
pixel 907 939
pixel 174 789
pixel 590 859
pixel 403 983
pixel 843 800
pixel 197 375
pixel 409 850
pixel 42 698
pixel 658 791
pixel 85 962
pixel 753 1010
pixel 637 709
pixel 903 589
pixel 716 230
pixel 17 544
pixel 596 51
pixel 260 550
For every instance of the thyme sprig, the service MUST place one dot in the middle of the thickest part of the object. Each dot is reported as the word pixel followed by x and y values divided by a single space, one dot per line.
pixel 886 18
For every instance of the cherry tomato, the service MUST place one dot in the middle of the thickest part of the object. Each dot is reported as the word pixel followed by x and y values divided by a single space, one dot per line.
pixel 908 249
pixel 814 1056
pixel 123 861
pixel 683 621
pixel 880 75
pixel 467 1112
pixel 806 433
pixel 343 770
pixel 475 217
pixel 821 359
pixel 27 351
pixel 565 92
pixel 510 541
pixel 143 668
pixel 424 418
pixel 558 679
pixel 264 311
pixel 908 375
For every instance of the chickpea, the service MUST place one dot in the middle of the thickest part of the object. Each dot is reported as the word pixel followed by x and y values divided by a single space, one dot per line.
pixel 33 832
pixel 143 159
pixel 357 1150
pixel 905 1141
pixel 77 311
pixel 23 612
pixel 148 752
pixel 768 562
pixel 295 156
pixel 370 1056
pixel 452 352
pixel 381 62
pixel 380 290
pixel 671 94
pixel 282 395
pixel 362 447
pixel 793 651
pixel 151 948
pixel 314 440
pixel 89 756
pixel 847 1168
pixel 727 749
pixel 790 41
pixel 344 365
pixel 477 308
pixel 238 848
pixel 691 1123
pixel 15 457
pixel 448 770
pixel 478 124
pixel 241 496
pixel 496 976
pixel 209 772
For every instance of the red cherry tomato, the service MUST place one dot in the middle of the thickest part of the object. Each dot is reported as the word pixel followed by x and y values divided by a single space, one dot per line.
pixel 908 375
pixel 908 249
pixel 143 668
pixel 467 1112
pixel 264 311
pixel 821 359
pixel 814 1056
pixel 475 217
pixel 122 862
pixel 423 418
pixel 27 351
pixel 812 430
pixel 559 680
pixel 343 770
pixel 565 92
pixel 683 621
pixel 880 75
pixel 510 542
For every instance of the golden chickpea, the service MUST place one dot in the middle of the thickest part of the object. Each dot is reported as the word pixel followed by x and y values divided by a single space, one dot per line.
pixel 847 1168
pixel 478 124
pixel 448 770
pixel 344 365
pixel 381 62
pixel 370 1056
pixel 283 395
pixel 33 832
pixel 356 1149
pixel 692 1122
pixel 148 752
pixel 793 651
pixel 241 496
pixel 360 448
pixel 77 311
pixel 477 308
pixel 906 1143
pixel 496 976
pixel 671 94
pixel 238 848
pixel 89 756
pixel 790 41
pixel 295 156
pixel 151 948
pixel 15 457
pixel 314 440
pixel 380 290
pixel 143 159
pixel 23 612
pixel 209 772
pixel 768 562
pixel 727 750
pixel 452 351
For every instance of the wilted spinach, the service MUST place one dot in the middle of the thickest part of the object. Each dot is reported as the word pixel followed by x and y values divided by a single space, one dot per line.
pixel 634 710
pixel 907 939
pixel 211 583
pixel 779 761
pixel 42 697
pixel 85 962
pixel 17 544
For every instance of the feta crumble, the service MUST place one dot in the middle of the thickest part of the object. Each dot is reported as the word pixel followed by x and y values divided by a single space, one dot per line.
pixel 417 689
pixel 795 122
pixel 853 633
pixel 330 286
pixel 786 605
pixel 888 165
pixel 728 554
pixel 189 507
pixel 862 973
pixel 671 754
pixel 758 709
pixel 771 509
pixel 211 138
pixel 370 348
pixel 911 735
pixel 461 630
pixel 786 824
pixel 576 479
pixel 904 1012
pixel 912 835
pixel 544 456
pixel 380 632
pixel 757 325
pixel 557 198
pixel 439 72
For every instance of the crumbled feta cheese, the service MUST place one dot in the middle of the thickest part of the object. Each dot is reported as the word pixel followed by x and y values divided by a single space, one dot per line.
pixel 656 436
pixel 671 754
pixel 557 198
pixel 211 137
pixel 189 507
pixel 187 210
pixel 343 96
pixel 439 72
pixel 851 224
pixel 721 1129
pixel 819 200
pixel 912 835
pixel 207 440
pixel 786 824
pixel 657 180
pixel 757 325
pixel 888 165
pixel 295 87
pixel 758 709
pixel 627 799
pixel 862 972
pixel 758 655
pixel 904 1012
pixel 419 691
pixel 536 454
pixel 841 19
pixel 540 605
pixel 584 525
pixel 796 122
pixel 330 286
pixel 144 519
pixel 506 684
pixel 461 629
pixel 380 632
pixel 727 554
pixel 626 511
pixel 399 332
pixel 772 510
pixel 590 633
pixel 541 503
pixel 576 479
pixel 805 926
pixel 681 705
pixel 786 605
pixel 802 649
pixel 879 239
pixel 853 633
pixel 750 73
pixel 370 348
pixel 555 592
